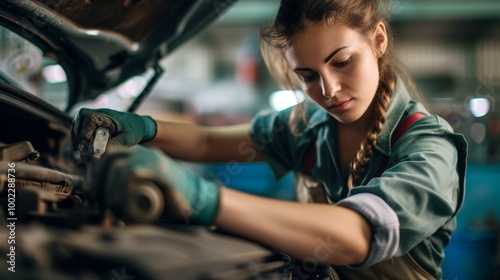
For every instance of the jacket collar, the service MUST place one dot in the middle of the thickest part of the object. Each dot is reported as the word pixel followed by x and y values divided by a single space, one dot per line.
pixel 400 100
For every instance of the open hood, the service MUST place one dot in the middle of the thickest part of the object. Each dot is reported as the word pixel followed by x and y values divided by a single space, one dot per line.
pixel 101 43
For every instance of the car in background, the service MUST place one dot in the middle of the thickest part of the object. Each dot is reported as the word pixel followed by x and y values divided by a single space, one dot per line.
pixel 53 56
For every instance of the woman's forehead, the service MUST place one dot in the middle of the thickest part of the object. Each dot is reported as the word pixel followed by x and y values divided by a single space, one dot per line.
pixel 319 40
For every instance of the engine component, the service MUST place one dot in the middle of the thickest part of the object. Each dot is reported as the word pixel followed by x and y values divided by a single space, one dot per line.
pixel 139 252
pixel 144 202
pixel 36 201
pixel 28 174
pixel 21 151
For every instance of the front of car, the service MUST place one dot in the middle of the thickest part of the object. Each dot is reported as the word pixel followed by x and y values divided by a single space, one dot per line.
pixel 54 56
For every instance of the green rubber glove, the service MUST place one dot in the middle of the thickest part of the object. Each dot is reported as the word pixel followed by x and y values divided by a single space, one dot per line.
pixel 126 129
pixel 117 176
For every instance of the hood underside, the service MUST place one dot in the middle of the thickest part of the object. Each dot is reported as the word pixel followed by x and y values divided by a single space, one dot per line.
pixel 102 43
pixel 135 20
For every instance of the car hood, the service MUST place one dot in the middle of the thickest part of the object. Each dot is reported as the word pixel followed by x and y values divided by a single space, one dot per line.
pixel 101 43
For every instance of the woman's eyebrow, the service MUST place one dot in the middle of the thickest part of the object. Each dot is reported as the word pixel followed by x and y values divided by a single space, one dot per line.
pixel 328 58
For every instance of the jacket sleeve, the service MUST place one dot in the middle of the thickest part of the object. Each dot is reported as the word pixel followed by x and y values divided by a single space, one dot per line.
pixel 425 180
pixel 271 136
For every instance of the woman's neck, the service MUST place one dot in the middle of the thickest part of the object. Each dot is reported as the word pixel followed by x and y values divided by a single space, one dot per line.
pixel 361 126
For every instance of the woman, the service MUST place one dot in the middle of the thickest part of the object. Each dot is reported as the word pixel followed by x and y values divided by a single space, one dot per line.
pixel 375 209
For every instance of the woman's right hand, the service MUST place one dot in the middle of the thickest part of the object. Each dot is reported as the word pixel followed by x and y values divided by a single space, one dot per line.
pixel 125 129
pixel 127 178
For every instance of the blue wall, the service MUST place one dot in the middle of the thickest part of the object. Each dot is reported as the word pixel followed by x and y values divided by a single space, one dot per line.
pixel 254 178
pixel 482 197
pixel 472 250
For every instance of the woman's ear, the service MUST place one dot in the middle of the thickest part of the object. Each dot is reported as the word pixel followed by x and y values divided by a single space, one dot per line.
pixel 379 39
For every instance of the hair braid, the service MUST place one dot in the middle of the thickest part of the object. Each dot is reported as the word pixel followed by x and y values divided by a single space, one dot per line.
pixel 365 151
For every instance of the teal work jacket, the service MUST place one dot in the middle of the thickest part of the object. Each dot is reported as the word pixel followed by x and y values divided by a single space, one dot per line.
pixel 424 182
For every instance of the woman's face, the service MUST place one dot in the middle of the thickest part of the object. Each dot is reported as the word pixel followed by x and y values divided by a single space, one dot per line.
pixel 337 68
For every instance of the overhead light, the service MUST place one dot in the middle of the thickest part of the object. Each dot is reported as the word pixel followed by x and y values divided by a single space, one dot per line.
pixel 54 74
pixel 479 106
pixel 282 99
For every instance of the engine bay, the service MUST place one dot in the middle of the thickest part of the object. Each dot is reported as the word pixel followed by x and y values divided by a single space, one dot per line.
pixel 52 230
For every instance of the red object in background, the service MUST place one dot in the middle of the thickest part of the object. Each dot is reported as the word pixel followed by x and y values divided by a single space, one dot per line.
pixel 494 126
pixel 247 69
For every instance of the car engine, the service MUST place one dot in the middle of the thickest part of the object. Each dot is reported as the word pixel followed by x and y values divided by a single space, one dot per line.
pixel 50 229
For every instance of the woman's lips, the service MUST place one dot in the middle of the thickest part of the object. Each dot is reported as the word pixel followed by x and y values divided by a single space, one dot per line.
pixel 340 106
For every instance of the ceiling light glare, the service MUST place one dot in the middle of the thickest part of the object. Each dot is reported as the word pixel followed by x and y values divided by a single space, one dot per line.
pixel 54 74
pixel 283 99
pixel 479 107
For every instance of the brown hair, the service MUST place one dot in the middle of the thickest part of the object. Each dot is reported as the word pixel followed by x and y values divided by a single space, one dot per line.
pixel 362 15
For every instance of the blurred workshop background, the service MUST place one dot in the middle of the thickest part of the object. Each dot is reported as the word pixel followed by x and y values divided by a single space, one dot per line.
pixel 451 48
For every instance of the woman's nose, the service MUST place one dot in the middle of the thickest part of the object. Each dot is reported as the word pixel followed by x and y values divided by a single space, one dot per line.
pixel 329 87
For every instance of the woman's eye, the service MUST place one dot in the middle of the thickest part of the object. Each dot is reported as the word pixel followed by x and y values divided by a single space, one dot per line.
pixel 343 63
pixel 309 78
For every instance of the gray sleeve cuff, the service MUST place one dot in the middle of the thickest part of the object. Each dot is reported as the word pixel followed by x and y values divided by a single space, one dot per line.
pixel 385 226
